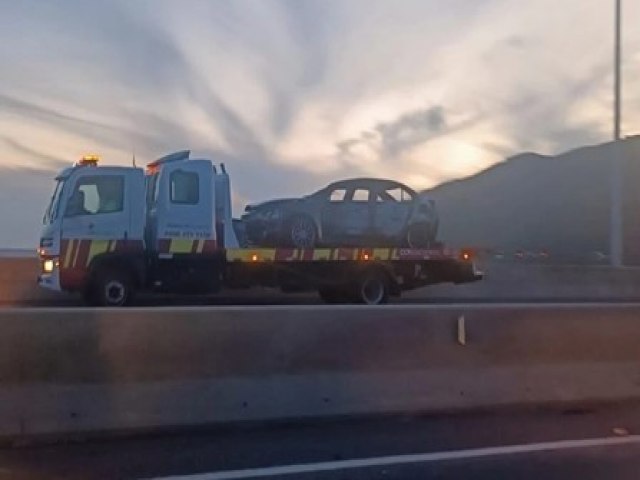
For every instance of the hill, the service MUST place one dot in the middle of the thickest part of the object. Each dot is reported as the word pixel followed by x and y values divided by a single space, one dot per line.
pixel 535 202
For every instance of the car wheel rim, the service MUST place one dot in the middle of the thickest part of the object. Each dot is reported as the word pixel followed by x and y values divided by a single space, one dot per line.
pixel 372 291
pixel 115 292
pixel 303 233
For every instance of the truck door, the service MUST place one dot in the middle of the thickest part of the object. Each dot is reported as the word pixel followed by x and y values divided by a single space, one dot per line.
pixel 185 208
pixel 95 207
pixel 98 213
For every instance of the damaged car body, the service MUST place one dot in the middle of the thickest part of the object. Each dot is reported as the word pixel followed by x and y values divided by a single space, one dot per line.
pixel 353 212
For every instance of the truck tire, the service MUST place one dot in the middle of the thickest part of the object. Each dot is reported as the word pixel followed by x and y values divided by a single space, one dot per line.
pixel 301 232
pixel 372 288
pixel 112 288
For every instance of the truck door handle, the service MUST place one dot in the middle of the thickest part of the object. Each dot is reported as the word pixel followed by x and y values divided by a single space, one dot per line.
pixel 91 225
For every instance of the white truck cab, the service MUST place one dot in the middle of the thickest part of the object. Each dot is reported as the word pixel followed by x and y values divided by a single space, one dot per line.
pixel 106 219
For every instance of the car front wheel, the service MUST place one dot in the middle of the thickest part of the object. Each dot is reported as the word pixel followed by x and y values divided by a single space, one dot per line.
pixel 302 232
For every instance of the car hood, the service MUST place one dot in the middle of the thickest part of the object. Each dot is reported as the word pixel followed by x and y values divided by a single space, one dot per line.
pixel 271 204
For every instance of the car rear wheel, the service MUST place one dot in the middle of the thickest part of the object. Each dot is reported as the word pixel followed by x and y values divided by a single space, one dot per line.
pixel 302 232
pixel 419 235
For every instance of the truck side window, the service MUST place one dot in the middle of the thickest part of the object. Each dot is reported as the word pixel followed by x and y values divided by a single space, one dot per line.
pixel 96 194
pixel 184 187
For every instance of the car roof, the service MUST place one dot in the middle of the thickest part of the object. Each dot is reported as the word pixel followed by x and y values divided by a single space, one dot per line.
pixel 368 182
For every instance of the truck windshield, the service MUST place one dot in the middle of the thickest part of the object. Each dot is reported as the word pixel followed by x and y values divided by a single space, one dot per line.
pixel 52 210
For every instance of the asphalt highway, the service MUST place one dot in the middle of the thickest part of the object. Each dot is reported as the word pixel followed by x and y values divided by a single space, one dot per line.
pixel 581 441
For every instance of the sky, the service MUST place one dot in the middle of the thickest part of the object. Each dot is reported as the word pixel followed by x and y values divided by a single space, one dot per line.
pixel 292 94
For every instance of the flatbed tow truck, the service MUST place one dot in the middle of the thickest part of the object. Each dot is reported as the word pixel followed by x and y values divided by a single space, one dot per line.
pixel 110 232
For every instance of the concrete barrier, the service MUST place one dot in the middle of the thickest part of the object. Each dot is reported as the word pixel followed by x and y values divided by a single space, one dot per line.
pixel 18 284
pixel 79 370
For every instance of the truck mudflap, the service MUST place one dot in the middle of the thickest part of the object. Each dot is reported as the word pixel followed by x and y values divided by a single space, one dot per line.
pixel 465 272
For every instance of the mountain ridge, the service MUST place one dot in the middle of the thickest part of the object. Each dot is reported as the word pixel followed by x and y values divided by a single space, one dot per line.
pixel 559 204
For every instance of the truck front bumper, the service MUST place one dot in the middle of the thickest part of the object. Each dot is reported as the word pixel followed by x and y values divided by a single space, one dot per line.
pixel 50 281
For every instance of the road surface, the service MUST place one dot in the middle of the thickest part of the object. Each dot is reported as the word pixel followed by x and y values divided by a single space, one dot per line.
pixel 586 442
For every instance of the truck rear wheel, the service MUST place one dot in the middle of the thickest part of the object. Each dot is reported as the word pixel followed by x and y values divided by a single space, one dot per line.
pixel 372 288
pixel 112 288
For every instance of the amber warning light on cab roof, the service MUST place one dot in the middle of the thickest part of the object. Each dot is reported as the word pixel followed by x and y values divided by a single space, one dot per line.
pixel 89 160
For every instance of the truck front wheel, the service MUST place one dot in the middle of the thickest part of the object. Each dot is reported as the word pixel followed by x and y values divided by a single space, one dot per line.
pixel 112 288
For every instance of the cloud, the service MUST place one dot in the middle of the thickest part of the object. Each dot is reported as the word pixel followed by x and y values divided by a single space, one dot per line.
pixel 294 93
pixel 410 129
pixel 49 161
pixel 388 140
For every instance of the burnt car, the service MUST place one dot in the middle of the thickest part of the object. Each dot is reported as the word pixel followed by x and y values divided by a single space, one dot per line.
pixel 356 212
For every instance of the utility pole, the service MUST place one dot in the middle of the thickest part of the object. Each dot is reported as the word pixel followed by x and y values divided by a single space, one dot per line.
pixel 615 234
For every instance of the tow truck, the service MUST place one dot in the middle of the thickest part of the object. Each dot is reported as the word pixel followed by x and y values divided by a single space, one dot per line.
pixel 112 231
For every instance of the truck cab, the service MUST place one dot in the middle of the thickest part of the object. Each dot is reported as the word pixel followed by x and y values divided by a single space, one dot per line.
pixel 95 213
pixel 109 228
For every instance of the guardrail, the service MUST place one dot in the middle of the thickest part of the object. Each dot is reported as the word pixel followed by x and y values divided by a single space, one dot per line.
pixel 80 370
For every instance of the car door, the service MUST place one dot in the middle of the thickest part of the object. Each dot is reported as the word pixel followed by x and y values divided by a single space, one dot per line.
pixel 393 207
pixel 347 215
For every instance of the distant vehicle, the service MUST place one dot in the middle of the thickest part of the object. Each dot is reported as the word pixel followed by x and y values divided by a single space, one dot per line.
pixel 355 212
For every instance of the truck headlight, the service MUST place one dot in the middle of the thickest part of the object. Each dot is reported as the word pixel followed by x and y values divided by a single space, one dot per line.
pixel 48 265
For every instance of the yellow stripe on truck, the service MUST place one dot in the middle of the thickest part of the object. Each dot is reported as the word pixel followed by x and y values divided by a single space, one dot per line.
pixel 97 247
pixel 67 253
pixel 75 255
pixel 251 255
pixel 267 254
pixel 381 253
pixel 180 245
pixel 322 254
